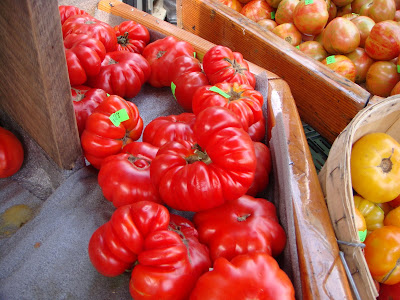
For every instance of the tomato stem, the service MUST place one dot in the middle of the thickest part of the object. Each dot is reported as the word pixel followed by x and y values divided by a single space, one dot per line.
pixel 236 66
pixel 79 95
pixel 386 164
pixel 143 162
pixel 243 218
pixel 199 155
pixel 123 39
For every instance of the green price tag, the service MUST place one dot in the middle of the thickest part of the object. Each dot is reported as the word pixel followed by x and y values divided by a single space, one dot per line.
pixel 330 59
pixel 298 46
pixel 108 95
pixel 119 116
pixel 398 68
pixel 173 87
pixel 194 54
pixel 362 235
pixel 306 2
pixel 272 15
pixel 219 91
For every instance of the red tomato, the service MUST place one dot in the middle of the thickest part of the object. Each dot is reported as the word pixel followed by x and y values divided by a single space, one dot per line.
pixel 284 12
pixel 102 137
pixel 379 10
pixel 257 130
pixel 389 292
pixel 219 167
pixel 341 36
pixel 263 170
pixel 314 50
pixel 170 128
pixel 241 99
pixel 362 62
pixel 383 41
pixel 382 253
pixel 357 4
pixel 364 25
pixel 89 25
pixel 124 178
pixel 342 65
pixel 289 33
pixel 84 56
pixel 131 36
pixel 222 64
pixel 67 11
pixel 311 18
pixel 241 226
pixel 381 78
pixel 114 246
pixel 332 11
pixel 122 73
pixel 85 100
pixel 161 55
pixel 233 279
pixel 11 153
pixel 257 10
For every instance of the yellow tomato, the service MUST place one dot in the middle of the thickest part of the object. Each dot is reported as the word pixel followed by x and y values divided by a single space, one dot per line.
pixel 371 212
pixel 375 167
pixel 393 217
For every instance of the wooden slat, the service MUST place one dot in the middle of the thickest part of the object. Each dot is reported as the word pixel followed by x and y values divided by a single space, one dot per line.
pixel 34 85
pixel 325 100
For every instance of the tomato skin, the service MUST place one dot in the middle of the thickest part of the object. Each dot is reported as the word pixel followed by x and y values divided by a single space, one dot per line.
pixel 375 167
pixel 222 64
pixel 115 245
pixel 362 63
pixel 341 36
pixel 382 253
pixel 244 101
pixel 311 18
pixel 161 55
pixel 389 292
pixel 241 226
pixel 257 10
pixel 393 217
pixel 258 130
pixel 364 25
pixel 263 169
pixel 232 279
pixel 343 66
pixel 131 36
pixel 89 25
pixel 284 11
pixel 219 168
pixel 124 178
pixel 85 99
pixel 314 50
pixel 11 153
pixel 371 212
pixel 101 138
pixel 122 73
pixel 234 4
pixel 381 78
pixel 289 33
pixel 67 11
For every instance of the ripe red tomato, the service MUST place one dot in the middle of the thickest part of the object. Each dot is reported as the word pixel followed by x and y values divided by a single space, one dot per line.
pixel 383 41
pixel 341 36
pixel 379 10
pixel 284 12
pixel 311 18
pixel 257 130
pixel 85 99
pixel 263 170
pixel 67 11
pixel 389 292
pixel 131 36
pixel 234 4
pixel 289 33
pixel 342 65
pixel 257 10
pixel 314 50
pixel 11 153
pixel 364 25
pixel 362 62
pixel 357 4
pixel 381 78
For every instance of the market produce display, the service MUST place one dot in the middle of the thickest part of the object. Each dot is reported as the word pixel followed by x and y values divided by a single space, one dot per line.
pixel 209 161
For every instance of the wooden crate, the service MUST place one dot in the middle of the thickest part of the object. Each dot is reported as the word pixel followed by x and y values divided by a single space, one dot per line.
pixel 324 99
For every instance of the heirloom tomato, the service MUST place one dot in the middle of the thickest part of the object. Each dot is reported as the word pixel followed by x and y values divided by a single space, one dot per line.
pixel 379 10
pixel 11 153
pixel 244 101
pixel 263 169
pixel 341 36
pixel 257 10
pixel 89 25
pixel 122 73
pixel 234 4
pixel 186 75
pixel 382 253
pixel 289 33
pixel 393 217
pixel 222 64
pixel 267 24
pixel 342 65
pixel 85 99
pixel 364 25
pixel 389 292
pixel 381 78
pixel 84 56
pixel 357 4
pixel 257 130
pixel 124 178
pixel 314 50
pixel 113 124
pixel 67 11
pixel 241 226
pixel 114 246
pixel 219 167
pixel 371 212
pixel 362 62
pixel 311 18
pixel 131 36
pixel 248 276
pixel 161 55
pixel 284 11
pixel 170 128
pixel 375 167
pixel 361 225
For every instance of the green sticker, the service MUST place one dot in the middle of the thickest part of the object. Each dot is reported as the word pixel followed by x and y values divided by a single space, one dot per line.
pixel 298 47
pixel 398 68
pixel 219 91
pixel 119 116
pixel 362 235
pixel 108 95
pixel 330 59
pixel 306 2
pixel 272 15
pixel 194 54
pixel 173 87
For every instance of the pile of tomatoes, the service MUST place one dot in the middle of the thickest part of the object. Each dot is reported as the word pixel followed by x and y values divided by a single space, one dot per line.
pixel 359 39
pixel 208 161
pixel 375 174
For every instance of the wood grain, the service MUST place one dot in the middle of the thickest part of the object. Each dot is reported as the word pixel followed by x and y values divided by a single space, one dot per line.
pixel 325 100
pixel 34 87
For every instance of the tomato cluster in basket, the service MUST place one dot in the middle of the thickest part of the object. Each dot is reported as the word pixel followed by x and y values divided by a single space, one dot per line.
pixel 209 161
pixel 375 174
pixel 358 39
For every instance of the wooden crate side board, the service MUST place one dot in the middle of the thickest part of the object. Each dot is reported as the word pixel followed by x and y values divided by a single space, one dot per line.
pixel 325 100
pixel 34 87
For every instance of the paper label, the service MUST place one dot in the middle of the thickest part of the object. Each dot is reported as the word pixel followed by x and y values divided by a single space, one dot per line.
pixel 306 2
pixel 398 68
pixel 272 15
pixel 330 59
pixel 219 91
pixel 119 116
pixel 362 235
pixel 173 88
